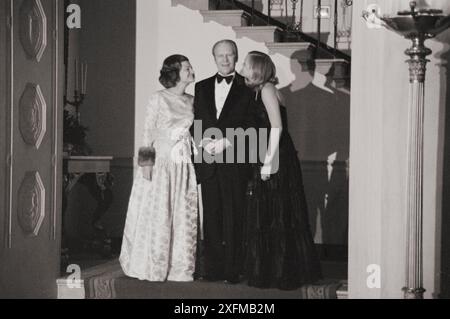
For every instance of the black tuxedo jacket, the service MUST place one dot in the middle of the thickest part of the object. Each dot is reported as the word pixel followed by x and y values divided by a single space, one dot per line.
pixel 236 113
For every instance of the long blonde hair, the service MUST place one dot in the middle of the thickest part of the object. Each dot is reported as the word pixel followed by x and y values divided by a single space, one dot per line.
pixel 263 69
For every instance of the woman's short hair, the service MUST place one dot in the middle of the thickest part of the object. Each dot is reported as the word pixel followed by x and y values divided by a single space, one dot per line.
pixel 263 69
pixel 170 72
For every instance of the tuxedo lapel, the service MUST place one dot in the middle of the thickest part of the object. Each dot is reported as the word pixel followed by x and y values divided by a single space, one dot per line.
pixel 210 97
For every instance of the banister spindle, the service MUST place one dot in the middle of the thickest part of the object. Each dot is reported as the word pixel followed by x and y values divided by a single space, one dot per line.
pixel 319 25
pixel 336 17
pixel 300 21
pixel 253 13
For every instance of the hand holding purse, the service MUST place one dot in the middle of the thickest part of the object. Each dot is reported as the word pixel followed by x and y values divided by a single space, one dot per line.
pixel 146 156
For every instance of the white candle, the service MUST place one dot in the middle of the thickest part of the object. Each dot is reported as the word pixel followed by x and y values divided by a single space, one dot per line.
pixel 82 78
pixel 85 77
pixel 76 75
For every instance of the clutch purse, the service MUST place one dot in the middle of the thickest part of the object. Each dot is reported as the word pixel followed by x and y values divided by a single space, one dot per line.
pixel 146 156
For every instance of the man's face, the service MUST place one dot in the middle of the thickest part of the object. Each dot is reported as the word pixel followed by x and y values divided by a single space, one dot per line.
pixel 225 58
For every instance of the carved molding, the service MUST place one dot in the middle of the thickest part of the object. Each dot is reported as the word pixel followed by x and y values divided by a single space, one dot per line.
pixel 31 204
pixel 33 115
pixel 33 29
pixel 56 188
pixel 417 70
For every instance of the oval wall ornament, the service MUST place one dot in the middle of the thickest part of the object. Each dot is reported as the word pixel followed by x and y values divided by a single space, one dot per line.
pixel 33 29
pixel 32 115
pixel 31 204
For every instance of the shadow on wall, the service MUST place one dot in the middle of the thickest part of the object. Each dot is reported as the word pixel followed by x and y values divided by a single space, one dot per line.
pixel 445 230
pixel 319 122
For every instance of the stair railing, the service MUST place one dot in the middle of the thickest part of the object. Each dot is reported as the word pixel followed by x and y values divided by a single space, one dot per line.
pixel 294 29
pixel 319 27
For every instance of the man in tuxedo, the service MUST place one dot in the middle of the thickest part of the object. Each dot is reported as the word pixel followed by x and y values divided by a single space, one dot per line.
pixel 222 102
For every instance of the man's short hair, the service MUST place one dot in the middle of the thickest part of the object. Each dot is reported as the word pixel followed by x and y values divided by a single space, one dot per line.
pixel 226 41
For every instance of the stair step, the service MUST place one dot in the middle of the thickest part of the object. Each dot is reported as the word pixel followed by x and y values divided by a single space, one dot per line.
pixel 259 33
pixel 192 4
pixel 107 281
pixel 323 66
pixel 341 70
pixel 344 44
pixel 292 49
pixel 342 292
pixel 70 288
pixel 232 18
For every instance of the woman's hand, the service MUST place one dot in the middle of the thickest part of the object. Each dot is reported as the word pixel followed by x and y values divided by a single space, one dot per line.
pixel 147 172
pixel 266 172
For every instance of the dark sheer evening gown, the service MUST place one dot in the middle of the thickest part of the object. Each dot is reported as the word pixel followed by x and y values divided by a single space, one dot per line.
pixel 279 247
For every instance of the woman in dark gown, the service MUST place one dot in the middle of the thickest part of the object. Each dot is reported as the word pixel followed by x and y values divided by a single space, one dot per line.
pixel 279 247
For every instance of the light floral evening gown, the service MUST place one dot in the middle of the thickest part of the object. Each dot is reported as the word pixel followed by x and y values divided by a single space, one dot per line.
pixel 160 236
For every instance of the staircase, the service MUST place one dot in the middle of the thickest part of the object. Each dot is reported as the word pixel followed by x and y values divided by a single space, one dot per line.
pixel 342 292
pixel 247 21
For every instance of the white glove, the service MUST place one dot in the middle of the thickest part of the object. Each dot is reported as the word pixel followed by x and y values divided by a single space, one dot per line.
pixel 208 145
pixel 266 171
pixel 215 146
pixel 147 172
pixel 221 145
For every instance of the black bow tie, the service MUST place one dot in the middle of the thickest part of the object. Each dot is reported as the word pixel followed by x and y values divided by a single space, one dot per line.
pixel 229 78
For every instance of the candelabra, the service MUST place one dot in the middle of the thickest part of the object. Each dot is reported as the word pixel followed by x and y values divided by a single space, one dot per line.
pixel 78 99
pixel 417 25
pixel 78 96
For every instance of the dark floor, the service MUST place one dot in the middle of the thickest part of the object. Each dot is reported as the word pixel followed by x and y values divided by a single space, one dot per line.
pixel 89 253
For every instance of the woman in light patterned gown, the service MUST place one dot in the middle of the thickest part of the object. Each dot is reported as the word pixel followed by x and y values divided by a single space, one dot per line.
pixel 159 241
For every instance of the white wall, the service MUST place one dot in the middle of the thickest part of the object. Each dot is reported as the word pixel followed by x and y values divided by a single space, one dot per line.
pixel 379 106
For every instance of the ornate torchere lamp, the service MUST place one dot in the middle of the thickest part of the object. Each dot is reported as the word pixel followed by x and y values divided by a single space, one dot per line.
pixel 417 25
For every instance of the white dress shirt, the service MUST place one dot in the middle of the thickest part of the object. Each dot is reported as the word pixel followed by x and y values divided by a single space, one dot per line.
pixel 221 93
